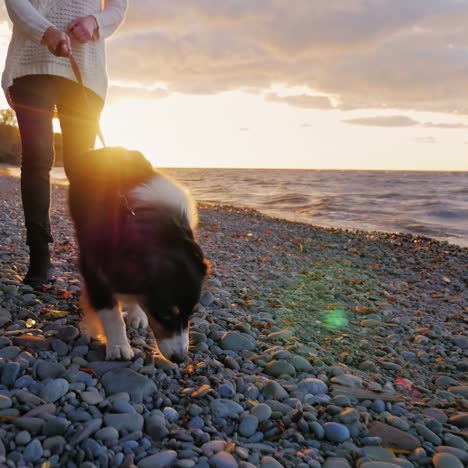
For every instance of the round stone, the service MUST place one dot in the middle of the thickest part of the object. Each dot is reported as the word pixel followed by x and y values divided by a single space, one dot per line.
pixel 223 460
pixel 107 434
pixel 156 427
pixel 33 451
pixel 170 414
pixel 446 460
pixel 10 373
pixel 248 425
pixel 312 386
pixel 270 462
pixel 162 459
pixel 278 368
pixel 127 421
pixel 455 441
pixel 274 390
pixel 237 341
pixel 92 398
pixel 226 390
pixel 301 364
pixel 23 438
pixel 262 412
pixel 5 402
pixel 54 389
pixel 335 432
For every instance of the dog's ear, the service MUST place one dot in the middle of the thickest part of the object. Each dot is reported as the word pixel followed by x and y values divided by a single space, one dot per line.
pixel 141 165
pixel 195 252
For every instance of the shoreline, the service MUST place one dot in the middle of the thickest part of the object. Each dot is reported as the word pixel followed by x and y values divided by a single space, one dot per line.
pixel 312 347
pixel 60 179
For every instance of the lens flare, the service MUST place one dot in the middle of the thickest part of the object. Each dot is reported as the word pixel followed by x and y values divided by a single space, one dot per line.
pixel 336 318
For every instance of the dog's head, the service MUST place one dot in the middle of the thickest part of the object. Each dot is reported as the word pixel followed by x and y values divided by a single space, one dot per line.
pixel 177 274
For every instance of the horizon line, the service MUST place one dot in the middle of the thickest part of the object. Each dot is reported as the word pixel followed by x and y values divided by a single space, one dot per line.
pixel 310 169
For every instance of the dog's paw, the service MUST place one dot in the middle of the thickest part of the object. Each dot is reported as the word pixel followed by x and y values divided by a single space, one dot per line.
pixel 119 351
pixel 136 318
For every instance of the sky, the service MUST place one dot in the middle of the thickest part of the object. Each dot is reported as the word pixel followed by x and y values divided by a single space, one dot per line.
pixel 322 84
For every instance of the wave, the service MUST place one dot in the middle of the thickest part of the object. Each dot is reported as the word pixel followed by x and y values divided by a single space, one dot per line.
pixel 433 204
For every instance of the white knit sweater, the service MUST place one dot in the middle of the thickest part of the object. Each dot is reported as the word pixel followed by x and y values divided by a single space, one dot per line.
pixel 31 18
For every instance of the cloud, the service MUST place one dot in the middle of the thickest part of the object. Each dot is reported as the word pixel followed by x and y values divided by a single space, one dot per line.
pixel 368 54
pixel 119 92
pixel 428 139
pixel 383 121
pixel 445 125
pixel 401 121
pixel 304 101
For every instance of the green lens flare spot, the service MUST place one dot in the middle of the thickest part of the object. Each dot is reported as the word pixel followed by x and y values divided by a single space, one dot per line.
pixel 336 318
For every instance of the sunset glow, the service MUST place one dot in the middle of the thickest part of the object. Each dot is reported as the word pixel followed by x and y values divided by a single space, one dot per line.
pixel 244 85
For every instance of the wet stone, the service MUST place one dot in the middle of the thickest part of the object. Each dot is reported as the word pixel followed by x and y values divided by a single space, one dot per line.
pixel 274 390
pixel 162 459
pixel 127 380
pixel 248 425
pixel 33 451
pixel 54 389
pixel 335 432
pixel 33 343
pixel 10 352
pixel 223 460
pixel 236 341
pixel 446 460
pixel 393 437
pixel 312 386
pixel 262 412
pixel 49 370
pixel 129 422
pixel 10 373
pixel 277 368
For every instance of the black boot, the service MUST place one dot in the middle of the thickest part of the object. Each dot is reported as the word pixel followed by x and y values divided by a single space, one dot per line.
pixel 40 269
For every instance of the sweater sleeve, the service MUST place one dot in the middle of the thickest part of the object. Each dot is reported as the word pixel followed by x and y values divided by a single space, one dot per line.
pixel 111 17
pixel 28 19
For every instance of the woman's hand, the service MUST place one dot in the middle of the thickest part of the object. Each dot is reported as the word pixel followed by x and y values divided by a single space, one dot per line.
pixel 83 29
pixel 57 42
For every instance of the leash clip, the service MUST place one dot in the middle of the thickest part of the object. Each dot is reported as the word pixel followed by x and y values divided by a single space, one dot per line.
pixel 125 204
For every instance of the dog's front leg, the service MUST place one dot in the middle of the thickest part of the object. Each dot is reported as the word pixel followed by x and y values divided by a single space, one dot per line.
pixel 117 346
pixel 102 302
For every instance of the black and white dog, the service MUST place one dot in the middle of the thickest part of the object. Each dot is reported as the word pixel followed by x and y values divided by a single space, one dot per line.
pixel 134 228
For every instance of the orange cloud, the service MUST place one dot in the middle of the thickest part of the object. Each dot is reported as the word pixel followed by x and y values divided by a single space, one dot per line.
pixel 380 54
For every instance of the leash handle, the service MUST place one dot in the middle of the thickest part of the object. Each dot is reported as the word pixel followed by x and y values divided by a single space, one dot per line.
pixel 79 79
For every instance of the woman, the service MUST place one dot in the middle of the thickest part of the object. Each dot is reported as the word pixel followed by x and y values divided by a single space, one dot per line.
pixel 38 80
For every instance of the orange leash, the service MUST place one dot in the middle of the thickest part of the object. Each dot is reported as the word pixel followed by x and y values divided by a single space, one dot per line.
pixel 79 79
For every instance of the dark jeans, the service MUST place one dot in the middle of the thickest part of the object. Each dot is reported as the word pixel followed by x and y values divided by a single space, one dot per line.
pixel 35 98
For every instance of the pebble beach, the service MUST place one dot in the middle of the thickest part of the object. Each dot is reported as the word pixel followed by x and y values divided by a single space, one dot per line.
pixel 312 347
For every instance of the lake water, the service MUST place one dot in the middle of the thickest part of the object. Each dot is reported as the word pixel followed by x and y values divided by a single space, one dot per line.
pixel 432 204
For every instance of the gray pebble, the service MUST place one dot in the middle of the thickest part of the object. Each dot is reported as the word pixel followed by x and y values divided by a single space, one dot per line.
pixel 33 451
pixel 262 412
pixel 127 380
pixel 159 460
pixel 10 373
pixel 156 427
pixel 312 386
pixel 446 460
pixel 54 389
pixel 107 434
pixel 223 460
pixel 129 422
pixel 23 438
pixel 237 341
pixel 248 425
pixel 336 432
pixel 5 402
pixel 270 462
